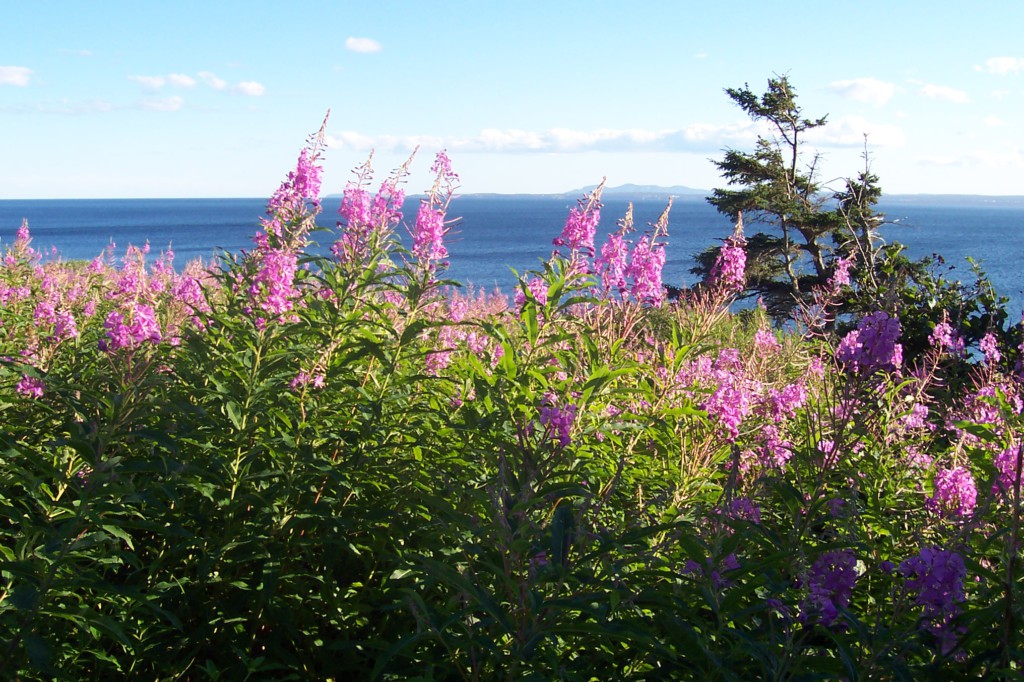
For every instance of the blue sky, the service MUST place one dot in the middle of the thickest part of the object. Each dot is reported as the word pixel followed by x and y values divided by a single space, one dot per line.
pixel 216 98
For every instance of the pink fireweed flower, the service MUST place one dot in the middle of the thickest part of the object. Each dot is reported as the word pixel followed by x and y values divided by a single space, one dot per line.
pixel 729 271
pixel 557 421
pixel 428 235
pixel 990 347
pixel 774 452
pixel 785 403
pixel 765 342
pixel 367 219
pixel 538 289
pixel 917 418
pixel 713 570
pixel 304 378
pixel 1008 471
pixel 742 509
pixel 730 403
pixel 955 493
pixel 946 338
pixel 830 584
pixel 840 273
pixel 22 249
pixel 273 288
pixel 611 264
pixel 64 326
pixel 292 209
pixel 646 264
pixel 936 576
pixel 581 225
pixel 30 387
pixel 121 333
pixel 872 346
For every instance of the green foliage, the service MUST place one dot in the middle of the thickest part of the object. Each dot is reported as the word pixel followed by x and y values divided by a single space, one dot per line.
pixel 371 486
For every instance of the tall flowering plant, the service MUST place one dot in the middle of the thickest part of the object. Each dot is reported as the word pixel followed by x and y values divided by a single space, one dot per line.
pixel 430 228
pixel 291 216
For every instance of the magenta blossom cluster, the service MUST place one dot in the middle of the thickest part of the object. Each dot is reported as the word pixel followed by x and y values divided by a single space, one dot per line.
pixel 990 347
pixel 1007 465
pixel 273 289
pixel 296 202
pixel 428 235
pixel 947 339
pixel 538 289
pixel 429 230
pixel 580 228
pixel 936 577
pixel 612 263
pixel 557 421
pixel 729 271
pixel 713 570
pixel 840 273
pixel 955 493
pixel 872 345
pixel 829 586
pixel 139 326
pixel 366 218
pixel 30 387
pixel 645 266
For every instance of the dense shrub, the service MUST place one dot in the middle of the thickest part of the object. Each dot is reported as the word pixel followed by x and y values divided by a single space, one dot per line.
pixel 285 466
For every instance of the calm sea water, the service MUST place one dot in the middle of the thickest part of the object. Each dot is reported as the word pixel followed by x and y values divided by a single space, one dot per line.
pixel 496 234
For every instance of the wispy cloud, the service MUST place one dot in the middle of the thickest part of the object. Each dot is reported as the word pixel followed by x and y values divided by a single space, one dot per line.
pixel 696 138
pixel 149 82
pixel 363 45
pixel 15 75
pixel 250 88
pixel 162 103
pixel 993 121
pixel 976 158
pixel 944 93
pixel 1002 65
pixel 181 80
pixel 850 131
pixel 212 80
pixel 208 78
pixel 870 90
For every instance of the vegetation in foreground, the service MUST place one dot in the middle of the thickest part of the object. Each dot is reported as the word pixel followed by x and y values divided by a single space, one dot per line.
pixel 296 467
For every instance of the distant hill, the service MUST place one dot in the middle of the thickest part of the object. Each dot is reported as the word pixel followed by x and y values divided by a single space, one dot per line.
pixel 630 191
pixel 644 191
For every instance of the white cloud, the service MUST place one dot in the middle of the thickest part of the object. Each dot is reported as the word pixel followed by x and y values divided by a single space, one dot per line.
pixel 15 75
pixel 993 121
pixel 181 80
pixel 695 138
pixel 149 82
pixel 1002 65
pixel 212 80
pixel 162 103
pixel 849 131
pixel 364 45
pixel 944 93
pixel 1003 160
pixel 868 90
pixel 250 88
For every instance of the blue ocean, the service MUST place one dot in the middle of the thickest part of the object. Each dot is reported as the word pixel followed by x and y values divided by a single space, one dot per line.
pixel 496 234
